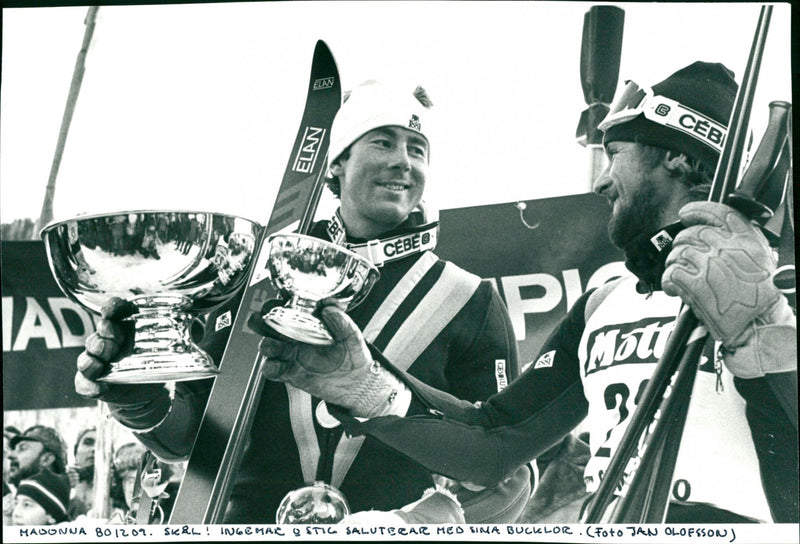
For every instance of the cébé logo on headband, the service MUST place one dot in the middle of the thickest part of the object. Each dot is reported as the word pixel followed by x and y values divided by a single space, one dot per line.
pixel 695 124
pixel 662 110
pixel 415 123
pixel 702 128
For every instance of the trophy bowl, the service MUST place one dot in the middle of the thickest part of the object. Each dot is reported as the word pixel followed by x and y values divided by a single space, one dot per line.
pixel 316 504
pixel 306 270
pixel 174 265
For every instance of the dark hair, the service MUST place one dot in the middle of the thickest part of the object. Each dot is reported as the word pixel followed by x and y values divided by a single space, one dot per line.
pixel 128 457
pixel 699 176
pixel 80 437
pixel 332 182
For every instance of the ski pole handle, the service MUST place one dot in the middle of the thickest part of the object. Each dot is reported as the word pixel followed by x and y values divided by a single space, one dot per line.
pixel 761 190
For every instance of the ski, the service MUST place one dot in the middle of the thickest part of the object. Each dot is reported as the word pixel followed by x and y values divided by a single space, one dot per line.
pixel 218 448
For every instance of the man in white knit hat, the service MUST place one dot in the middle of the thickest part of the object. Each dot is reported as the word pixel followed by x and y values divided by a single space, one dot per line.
pixel 444 325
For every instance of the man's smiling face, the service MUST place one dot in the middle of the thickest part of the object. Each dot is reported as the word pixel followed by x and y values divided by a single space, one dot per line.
pixel 382 179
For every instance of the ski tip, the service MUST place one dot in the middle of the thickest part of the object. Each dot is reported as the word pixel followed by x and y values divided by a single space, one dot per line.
pixel 322 46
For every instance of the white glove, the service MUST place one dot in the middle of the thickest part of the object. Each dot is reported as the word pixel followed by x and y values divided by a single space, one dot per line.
pixel 771 348
pixel 721 266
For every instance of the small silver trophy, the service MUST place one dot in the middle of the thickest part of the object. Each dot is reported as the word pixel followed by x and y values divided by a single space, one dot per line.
pixel 306 270
pixel 174 265
pixel 315 504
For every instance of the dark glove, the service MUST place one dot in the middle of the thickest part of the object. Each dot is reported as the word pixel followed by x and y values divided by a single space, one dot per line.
pixel 140 406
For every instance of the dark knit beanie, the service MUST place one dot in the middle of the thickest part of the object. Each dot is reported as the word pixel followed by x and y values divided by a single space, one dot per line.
pixel 50 490
pixel 707 88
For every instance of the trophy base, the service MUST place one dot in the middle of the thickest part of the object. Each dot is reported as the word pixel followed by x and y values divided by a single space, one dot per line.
pixel 158 368
pixel 298 325
pixel 163 348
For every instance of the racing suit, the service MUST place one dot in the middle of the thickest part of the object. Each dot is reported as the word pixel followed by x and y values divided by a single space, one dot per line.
pixel 738 455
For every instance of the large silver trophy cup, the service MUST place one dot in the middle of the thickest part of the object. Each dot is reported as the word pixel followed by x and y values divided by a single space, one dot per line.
pixel 306 270
pixel 175 266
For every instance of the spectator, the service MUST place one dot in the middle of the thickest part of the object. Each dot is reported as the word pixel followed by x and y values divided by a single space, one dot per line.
pixel 8 434
pixel 8 489
pixel 150 243
pixel 42 499
pixel 81 474
pixel 38 448
pixel 124 500
pixel 8 503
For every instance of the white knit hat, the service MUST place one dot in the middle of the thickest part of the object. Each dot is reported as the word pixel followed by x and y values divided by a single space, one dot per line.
pixel 372 105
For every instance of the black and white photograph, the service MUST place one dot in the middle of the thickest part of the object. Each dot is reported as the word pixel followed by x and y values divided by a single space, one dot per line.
pixel 398 270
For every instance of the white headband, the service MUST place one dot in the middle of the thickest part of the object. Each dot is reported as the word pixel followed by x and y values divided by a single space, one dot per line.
pixel 373 105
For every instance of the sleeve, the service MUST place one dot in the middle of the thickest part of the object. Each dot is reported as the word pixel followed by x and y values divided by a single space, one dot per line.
pixel 485 358
pixel 484 443
pixel 774 432
pixel 173 438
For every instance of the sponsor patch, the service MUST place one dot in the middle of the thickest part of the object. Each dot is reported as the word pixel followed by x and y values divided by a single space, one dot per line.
pixel 545 360
pixel 223 320
pixel 500 374
pixel 662 240
pixel 641 341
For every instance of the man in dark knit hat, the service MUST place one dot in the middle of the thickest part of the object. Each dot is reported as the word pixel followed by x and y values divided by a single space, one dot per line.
pixel 42 499
pixel 738 455
pixel 39 447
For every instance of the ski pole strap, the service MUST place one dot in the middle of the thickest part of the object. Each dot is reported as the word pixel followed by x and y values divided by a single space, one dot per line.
pixel 148 487
pixel 386 250
pixel 139 496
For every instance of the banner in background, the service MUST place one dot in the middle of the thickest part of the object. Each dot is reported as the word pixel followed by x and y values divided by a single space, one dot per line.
pixel 43 333
pixel 539 271
pixel 542 254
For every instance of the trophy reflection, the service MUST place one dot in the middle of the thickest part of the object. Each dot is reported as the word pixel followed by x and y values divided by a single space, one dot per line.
pixel 306 270
pixel 314 505
pixel 174 265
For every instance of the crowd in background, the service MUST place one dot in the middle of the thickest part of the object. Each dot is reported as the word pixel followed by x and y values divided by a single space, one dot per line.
pixel 44 485
pixel 129 233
